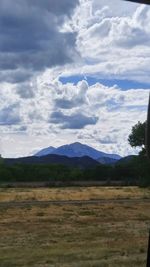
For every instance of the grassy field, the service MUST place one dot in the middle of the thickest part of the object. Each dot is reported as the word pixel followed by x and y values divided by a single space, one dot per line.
pixel 72 193
pixel 102 235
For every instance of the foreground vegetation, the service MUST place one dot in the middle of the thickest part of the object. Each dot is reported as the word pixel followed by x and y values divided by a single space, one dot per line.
pixel 110 234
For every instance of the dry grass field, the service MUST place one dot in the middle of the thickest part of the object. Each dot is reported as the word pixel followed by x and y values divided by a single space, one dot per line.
pixel 95 235
pixel 72 193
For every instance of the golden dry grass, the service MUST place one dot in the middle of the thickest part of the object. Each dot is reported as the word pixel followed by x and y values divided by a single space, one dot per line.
pixel 102 235
pixel 72 193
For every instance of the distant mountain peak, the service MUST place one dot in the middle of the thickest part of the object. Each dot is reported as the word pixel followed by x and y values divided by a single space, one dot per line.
pixel 45 151
pixel 76 149
pixel 76 144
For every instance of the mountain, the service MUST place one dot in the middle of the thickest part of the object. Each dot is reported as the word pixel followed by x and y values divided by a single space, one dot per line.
pixel 45 151
pixel 107 161
pixel 126 159
pixel 78 150
pixel 81 162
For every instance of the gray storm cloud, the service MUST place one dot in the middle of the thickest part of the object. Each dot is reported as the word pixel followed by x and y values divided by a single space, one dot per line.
pixel 31 39
pixel 10 115
pixel 73 121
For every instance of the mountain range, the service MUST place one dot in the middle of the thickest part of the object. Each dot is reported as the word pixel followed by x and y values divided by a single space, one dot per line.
pixel 80 162
pixel 79 150
pixel 75 155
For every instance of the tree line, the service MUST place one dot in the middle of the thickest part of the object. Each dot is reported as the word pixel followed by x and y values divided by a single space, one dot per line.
pixel 134 171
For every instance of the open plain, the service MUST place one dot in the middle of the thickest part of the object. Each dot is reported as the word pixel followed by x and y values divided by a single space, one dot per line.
pixel 110 231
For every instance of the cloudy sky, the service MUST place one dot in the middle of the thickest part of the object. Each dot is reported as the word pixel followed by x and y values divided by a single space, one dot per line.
pixel 72 70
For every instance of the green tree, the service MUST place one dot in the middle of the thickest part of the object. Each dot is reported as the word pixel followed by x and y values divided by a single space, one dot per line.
pixel 141 164
pixel 137 136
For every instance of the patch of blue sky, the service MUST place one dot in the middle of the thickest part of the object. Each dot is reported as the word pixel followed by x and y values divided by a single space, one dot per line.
pixel 123 84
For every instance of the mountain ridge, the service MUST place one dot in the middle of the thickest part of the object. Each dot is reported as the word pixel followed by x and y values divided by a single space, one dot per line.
pixel 81 162
pixel 44 151
pixel 77 150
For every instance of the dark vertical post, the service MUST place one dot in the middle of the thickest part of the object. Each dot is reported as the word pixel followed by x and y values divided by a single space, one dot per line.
pixel 148 252
pixel 147 134
pixel 148 154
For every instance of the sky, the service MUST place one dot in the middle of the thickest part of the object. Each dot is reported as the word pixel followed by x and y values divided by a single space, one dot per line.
pixel 72 70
